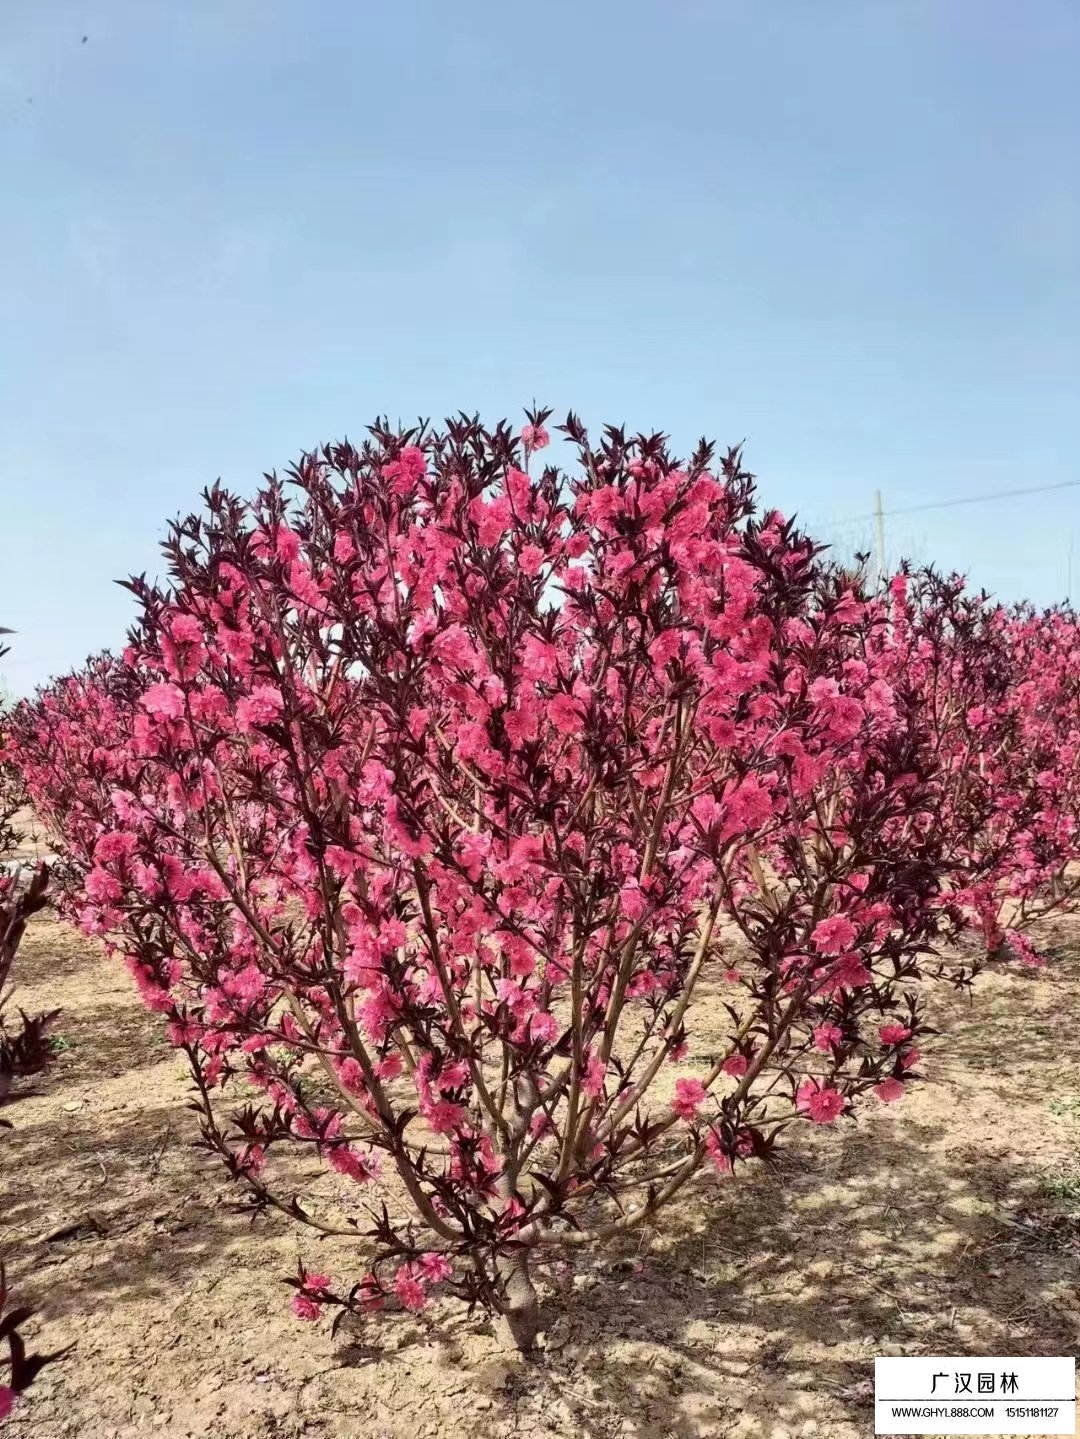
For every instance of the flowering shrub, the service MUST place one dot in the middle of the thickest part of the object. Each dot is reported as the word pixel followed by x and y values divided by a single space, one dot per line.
pixel 528 840
pixel 1000 689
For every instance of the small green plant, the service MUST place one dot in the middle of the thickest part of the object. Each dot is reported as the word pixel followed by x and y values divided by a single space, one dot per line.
pixel 1063 1188
pixel 1066 1108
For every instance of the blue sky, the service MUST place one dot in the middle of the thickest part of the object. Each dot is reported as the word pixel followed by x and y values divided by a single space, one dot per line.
pixel 846 232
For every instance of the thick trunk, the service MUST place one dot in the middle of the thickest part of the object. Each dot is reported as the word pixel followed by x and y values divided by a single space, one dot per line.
pixel 519 1303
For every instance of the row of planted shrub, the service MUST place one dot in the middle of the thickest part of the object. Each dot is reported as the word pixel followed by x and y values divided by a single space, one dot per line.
pixel 534 838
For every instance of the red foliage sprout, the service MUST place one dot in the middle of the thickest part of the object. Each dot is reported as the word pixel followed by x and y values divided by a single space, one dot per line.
pixel 533 843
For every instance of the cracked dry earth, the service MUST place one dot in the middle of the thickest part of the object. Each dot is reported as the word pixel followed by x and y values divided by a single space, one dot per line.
pixel 949 1223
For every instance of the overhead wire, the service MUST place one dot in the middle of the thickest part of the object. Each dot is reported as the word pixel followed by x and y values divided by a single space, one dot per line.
pixel 963 500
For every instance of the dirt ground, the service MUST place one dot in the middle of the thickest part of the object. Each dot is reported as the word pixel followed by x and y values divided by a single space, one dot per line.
pixel 949 1223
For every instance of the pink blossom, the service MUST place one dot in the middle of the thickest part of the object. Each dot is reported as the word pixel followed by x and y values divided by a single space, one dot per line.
pixel 249 985
pixel 707 810
pixel 539 661
pixel 714 1147
pixel 305 1304
pixel 251 1159
pixel 534 437
pixel 880 699
pixel 543 1026
pixel 564 713
pixel 164 701
pixel 352 1075
pixel 833 935
pixel 531 560
pixel 354 1164
pixel 889 1090
pixel 592 1083
pixel 689 1096
pixel 521 722
pixel 409 1287
pixel 389 1067
pixel 826 1036
pixel 103 887
pixel 114 846
pixel 413 462
pixel 850 972
pixel 519 952
pixel 185 630
pixel 631 900
pixel 436 1267
pixel 1022 946
pixel 371 1295
pixel 492 518
pixel 541 1124
pixel 894 1033
pixel 405 472
pixel 821 1103
pixel 444 1116
pixel 823 690
pixel 748 806
pixel 665 647
pixel 263 706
